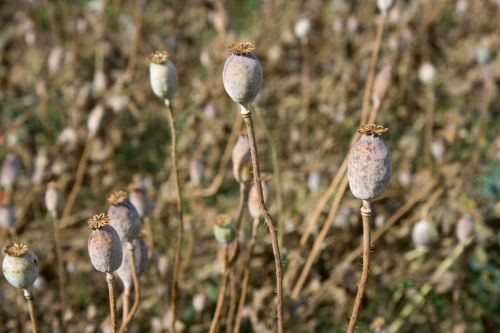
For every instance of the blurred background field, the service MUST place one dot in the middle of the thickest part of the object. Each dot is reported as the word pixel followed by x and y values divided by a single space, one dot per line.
pixel 62 61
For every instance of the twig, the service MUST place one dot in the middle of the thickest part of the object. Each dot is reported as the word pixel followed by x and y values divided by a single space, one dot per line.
pixel 61 274
pixel 137 289
pixel 246 276
pixel 110 278
pixel 214 325
pixel 247 117
pixel 180 233
pixel 366 213
pixel 29 298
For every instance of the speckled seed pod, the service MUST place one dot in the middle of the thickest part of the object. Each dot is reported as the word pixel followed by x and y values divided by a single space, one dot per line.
pixel 123 216
pixel 242 160
pixel 97 118
pixel 242 74
pixel 302 28
pixel 53 198
pixel 427 73
pixel 162 75
pixel 20 265
pixel 369 165
pixel 138 197
pixel 423 234
pixel 253 202
pixel 224 230
pixel 465 228
pixel 141 262
pixel 7 216
pixel 105 249
pixel 11 168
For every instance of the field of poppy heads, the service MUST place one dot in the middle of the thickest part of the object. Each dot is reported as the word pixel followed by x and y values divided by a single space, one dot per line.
pixel 250 166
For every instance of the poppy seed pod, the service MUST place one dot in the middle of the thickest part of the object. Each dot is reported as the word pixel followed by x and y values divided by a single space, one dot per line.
pixel 302 28
pixel 20 265
pixel 7 216
pixel 369 165
pixel 105 249
pixel 11 169
pixel 384 5
pixel 138 197
pixel 123 216
pixel 53 198
pixel 465 228
pixel 242 74
pixel 423 234
pixel 141 261
pixel 427 73
pixel 162 75
pixel 96 120
pixel 224 230
pixel 381 84
pixel 242 160
pixel 253 201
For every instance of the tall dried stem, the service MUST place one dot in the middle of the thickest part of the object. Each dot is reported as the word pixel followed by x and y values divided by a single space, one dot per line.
pixel 110 279
pixel 247 117
pixel 180 232
pixel 366 213
pixel 246 276
pixel 61 274
pixel 31 308
pixel 214 325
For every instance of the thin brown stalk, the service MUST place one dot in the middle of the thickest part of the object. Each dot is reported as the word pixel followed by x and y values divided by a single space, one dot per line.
pixel 126 303
pixel 226 156
pixel 80 173
pixel 319 240
pixel 232 301
pixel 366 213
pixel 31 308
pixel 247 117
pixel 129 73
pixel 246 276
pixel 306 95
pixel 180 232
pixel 137 289
pixel 61 274
pixel 429 119
pixel 373 68
pixel 110 279
pixel 214 325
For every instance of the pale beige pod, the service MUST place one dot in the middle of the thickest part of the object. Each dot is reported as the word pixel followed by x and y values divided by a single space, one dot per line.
pixel 423 234
pixel 11 168
pixel 141 261
pixel 123 216
pixel 105 249
pixel 53 198
pixel 138 197
pixel 20 265
pixel 162 75
pixel 465 228
pixel 242 160
pixel 253 202
pixel 381 84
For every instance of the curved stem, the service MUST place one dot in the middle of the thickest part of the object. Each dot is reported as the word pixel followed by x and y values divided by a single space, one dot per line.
pixel 247 117
pixel 110 279
pixel 137 288
pixel 373 67
pixel 366 213
pixel 126 303
pixel 180 232
pixel 80 173
pixel 61 274
pixel 246 276
pixel 214 325
pixel 232 301
pixel 31 308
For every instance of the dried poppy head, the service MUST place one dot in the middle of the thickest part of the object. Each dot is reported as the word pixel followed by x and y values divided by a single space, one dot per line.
pixel 53 198
pixel 162 75
pixel 242 74
pixel 423 234
pixel 242 161
pixel 20 265
pixel 465 228
pixel 104 244
pixel 253 199
pixel 123 216
pixel 224 230
pixel 369 165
